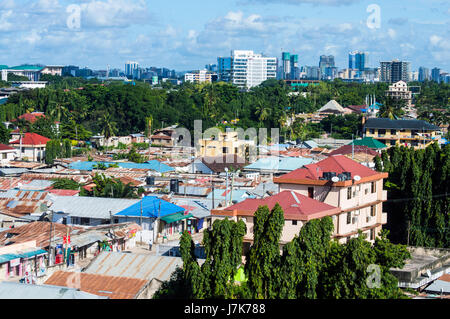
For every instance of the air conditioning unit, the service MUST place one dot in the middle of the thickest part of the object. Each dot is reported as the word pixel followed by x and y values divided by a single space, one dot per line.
pixel 354 220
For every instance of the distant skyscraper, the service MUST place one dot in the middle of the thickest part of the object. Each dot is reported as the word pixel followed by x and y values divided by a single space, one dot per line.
pixel 250 69
pixel 394 71
pixel 224 69
pixel 358 60
pixel 424 74
pixel 326 61
pixel 436 75
pixel 130 66
pixel 289 67
pixel 312 72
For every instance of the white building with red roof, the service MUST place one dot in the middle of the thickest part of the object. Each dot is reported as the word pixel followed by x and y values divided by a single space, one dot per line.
pixel 7 153
pixel 341 182
pixel 31 146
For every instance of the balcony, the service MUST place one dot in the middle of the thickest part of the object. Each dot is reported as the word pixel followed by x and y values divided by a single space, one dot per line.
pixel 383 218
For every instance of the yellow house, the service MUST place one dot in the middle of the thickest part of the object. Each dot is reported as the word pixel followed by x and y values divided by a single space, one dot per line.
pixel 415 133
pixel 225 143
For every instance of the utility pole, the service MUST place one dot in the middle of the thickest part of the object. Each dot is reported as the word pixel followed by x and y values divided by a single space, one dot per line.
pixel 140 221
pixel 50 240
pixel 212 182
pixel 353 148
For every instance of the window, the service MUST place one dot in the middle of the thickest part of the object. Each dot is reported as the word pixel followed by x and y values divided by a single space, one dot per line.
pixel 349 193
pixel 373 187
pixel 372 234
pixel 393 132
pixel 392 142
pixel 373 211
pixel 235 150
pixel 116 220
pixel 311 192
pixel 225 150
pixel 84 221
pixel 366 191
pixel 349 217
pixel 294 222
pixel 372 131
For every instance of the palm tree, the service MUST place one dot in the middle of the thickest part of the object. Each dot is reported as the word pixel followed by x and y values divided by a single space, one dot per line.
pixel 263 111
pixel 109 127
pixel 58 110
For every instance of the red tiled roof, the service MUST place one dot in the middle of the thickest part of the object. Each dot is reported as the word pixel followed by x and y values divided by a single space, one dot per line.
pixel 295 206
pixel 336 163
pixel 32 139
pixel 347 149
pixel 4 147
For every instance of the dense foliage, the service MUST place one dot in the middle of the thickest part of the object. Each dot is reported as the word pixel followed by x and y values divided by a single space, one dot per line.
pixel 418 194
pixel 111 187
pixel 311 266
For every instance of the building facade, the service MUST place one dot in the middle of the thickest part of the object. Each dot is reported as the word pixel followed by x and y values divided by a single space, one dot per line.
pixel 250 69
pixel 416 133
pixel 200 76
pixel 394 71
pixel 400 91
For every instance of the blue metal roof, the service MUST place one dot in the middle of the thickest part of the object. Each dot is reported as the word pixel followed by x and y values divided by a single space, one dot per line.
pixel 152 165
pixel 7 257
pixel 151 208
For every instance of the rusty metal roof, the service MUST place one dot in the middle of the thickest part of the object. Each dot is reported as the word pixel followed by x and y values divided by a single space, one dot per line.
pixel 100 285
pixel 142 266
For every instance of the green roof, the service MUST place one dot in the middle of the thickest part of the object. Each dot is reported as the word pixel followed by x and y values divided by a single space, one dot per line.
pixel 369 142
pixel 175 217
pixel 27 67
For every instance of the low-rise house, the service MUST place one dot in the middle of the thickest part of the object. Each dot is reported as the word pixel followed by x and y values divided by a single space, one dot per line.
pixel 416 133
pixel 138 138
pixel 7 153
pixel 332 107
pixel 217 164
pixel 369 142
pixel 22 261
pixel 158 218
pixel 341 182
pixel 113 287
pixel 87 211
pixel 31 146
pixel 163 137
pixel 226 143
pixel 298 209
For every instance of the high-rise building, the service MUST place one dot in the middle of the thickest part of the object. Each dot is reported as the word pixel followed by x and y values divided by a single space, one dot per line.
pixel 312 72
pixel 130 66
pixel 424 74
pixel 326 61
pixel 224 69
pixel 394 71
pixel 289 67
pixel 250 69
pixel 358 60
pixel 436 75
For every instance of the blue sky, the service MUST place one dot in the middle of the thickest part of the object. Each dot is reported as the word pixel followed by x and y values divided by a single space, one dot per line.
pixel 186 35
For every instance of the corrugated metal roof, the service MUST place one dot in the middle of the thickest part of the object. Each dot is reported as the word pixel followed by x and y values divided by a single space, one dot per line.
pixel 90 207
pixel 142 266
pixel 108 286
pixel 279 163
pixel 13 290
pixel 23 195
pixel 151 165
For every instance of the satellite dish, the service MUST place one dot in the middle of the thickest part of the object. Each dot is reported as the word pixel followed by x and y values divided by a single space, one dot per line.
pixel 335 179
pixel 357 178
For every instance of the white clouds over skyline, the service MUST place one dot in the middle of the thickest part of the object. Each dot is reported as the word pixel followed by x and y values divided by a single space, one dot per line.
pixel 188 36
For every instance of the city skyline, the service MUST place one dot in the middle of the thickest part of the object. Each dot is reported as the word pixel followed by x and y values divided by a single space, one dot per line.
pixel 157 33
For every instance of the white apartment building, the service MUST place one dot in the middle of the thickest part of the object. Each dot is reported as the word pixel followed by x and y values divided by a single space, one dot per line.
pixel 200 76
pixel 250 69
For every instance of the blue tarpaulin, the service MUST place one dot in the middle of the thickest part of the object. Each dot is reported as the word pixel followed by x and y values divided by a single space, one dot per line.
pixel 151 208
